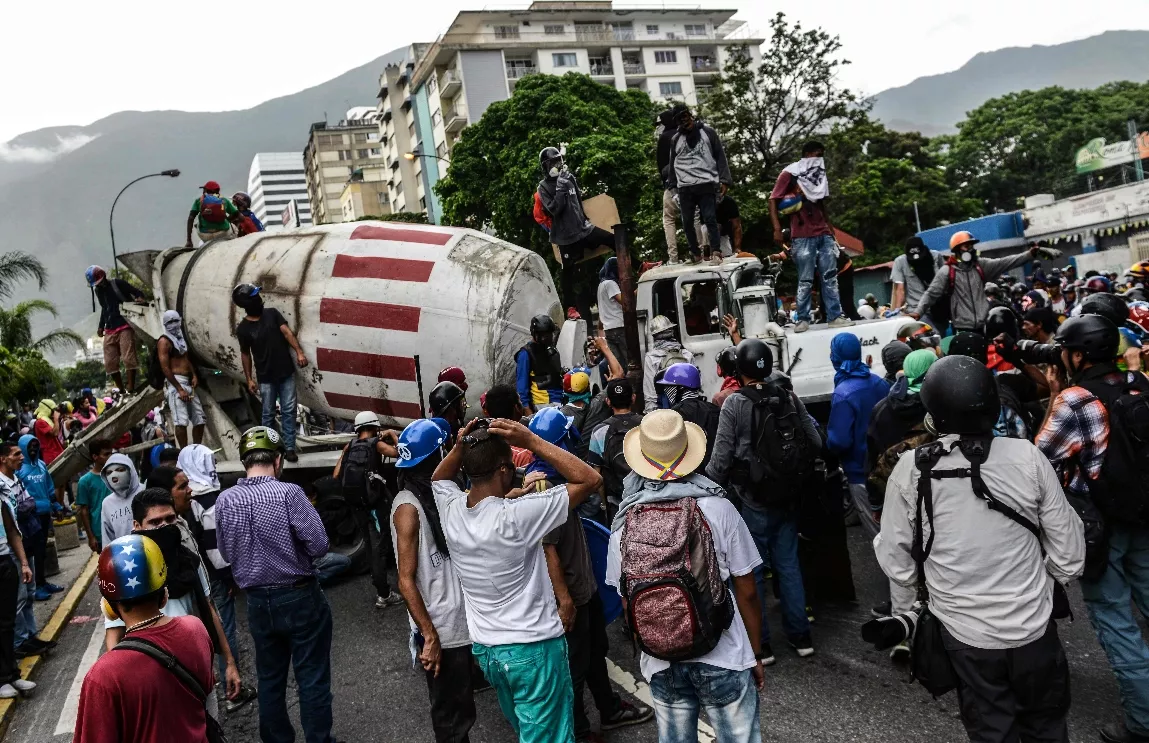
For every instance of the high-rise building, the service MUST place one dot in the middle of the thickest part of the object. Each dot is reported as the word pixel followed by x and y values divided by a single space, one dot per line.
pixel 673 54
pixel 274 180
pixel 333 153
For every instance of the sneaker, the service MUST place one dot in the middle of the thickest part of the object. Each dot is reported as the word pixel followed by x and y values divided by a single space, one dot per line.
pixel 23 686
pixel 53 588
pixel 292 457
pixel 803 645
pixel 42 594
pixel 801 327
pixel 901 652
pixel 841 321
pixel 628 714
pixel 1120 734
pixel 8 691
pixel 767 655
pixel 881 610
pixel 246 695
pixel 391 599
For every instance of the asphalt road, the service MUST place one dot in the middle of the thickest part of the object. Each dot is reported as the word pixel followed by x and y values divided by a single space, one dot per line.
pixel 845 692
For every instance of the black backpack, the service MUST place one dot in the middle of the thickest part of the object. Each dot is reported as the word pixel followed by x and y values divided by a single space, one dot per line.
pixel 783 456
pixel 1121 492
pixel 614 466
pixel 155 372
pixel 703 414
pixel 360 476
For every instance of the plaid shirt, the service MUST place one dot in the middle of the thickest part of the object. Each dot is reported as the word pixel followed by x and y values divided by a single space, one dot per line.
pixel 1076 432
pixel 269 532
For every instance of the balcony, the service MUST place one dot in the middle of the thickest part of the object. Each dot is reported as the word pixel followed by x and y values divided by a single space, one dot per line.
pixel 450 84
pixel 623 34
pixel 601 70
pixel 514 73
pixel 703 65
pixel 633 68
pixel 593 33
pixel 454 118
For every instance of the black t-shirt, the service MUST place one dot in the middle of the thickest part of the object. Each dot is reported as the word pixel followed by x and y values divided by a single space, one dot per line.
pixel 726 212
pixel 270 352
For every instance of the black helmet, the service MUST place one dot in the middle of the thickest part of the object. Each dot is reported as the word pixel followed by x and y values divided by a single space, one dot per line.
pixel 961 396
pixel 1093 335
pixel 1109 306
pixel 542 324
pixel 754 359
pixel 546 156
pixel 242 294
pixel 727 360
pixel 443 396
pixel 1001 320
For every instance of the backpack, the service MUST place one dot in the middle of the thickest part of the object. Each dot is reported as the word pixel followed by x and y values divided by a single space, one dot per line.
pixel 1121 492
pixel 676 603
pixel 672 357
pixel 614 466
pixel 246 225
pixel 940 313
pixel 703 414
pixel 783 457
pixel 360 478
pixel 540 214
pixel 876 481
pixel 155 372
pixel 212 209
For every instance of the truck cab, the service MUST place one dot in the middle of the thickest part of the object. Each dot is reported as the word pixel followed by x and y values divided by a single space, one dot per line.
pixel 696 296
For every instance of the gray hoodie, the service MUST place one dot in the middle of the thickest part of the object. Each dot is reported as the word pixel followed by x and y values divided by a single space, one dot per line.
pixel 563 202
pixel 116 513
pixel 968 305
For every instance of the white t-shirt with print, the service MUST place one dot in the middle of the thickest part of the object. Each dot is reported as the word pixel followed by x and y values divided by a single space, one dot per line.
pixel 496 548
pixel 609 311
pixel 737 555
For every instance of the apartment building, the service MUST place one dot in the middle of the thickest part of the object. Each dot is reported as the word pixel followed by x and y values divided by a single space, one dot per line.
pixel 274 180
pixel 333 153
pixel 365 194
pixel 400 110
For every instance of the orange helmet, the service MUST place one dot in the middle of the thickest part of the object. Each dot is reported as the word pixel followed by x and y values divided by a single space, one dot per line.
pixel 961 238
pixel 1139 270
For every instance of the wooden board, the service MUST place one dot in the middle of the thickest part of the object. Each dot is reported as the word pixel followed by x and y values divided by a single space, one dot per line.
pixel 602 212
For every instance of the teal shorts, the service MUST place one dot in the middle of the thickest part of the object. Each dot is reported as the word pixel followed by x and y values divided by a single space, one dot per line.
pixel 533 683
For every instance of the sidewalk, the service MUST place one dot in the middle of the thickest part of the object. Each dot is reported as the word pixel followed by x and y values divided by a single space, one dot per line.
pixel 77 568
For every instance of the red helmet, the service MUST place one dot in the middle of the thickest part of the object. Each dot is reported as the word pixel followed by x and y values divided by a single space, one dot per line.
pixel 1139 313
pixel 456 375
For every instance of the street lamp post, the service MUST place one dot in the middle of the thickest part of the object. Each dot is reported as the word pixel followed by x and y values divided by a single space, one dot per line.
pixel 415 153
pixel 173 173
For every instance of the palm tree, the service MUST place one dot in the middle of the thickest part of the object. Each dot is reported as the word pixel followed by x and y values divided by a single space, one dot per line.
pixel 18 266
pixel 16 325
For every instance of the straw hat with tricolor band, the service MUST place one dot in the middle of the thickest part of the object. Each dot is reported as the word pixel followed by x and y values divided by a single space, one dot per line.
pixel 664 447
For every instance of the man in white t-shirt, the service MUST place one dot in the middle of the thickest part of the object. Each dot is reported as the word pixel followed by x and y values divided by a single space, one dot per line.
pixel 494 534
pixel 726 680
pixel 610 309
pixel 912 273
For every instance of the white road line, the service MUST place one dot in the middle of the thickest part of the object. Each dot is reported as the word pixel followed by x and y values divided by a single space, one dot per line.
pixel 641 690
pixel 67 721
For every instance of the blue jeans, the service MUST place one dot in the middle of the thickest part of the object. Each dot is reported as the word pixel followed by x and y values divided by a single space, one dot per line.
pixel 292 626
pixel 225 606
pixel 285 392
pixel 533 683
pixel 730 699
pixel 1111 613
pixel 817 254
pixel 775 533
pixel 25 612
pixel 704 198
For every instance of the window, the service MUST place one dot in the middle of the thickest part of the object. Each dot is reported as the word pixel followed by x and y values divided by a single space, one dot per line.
pixel 375 152
pixel 361 153
pixel 554 29
pixel 345 154
pixel 373 137
pixel 411 130
pixel 566 59
pixel 384 198
pixel 652 29
pixel 670 57
pixel 432 84
pixel 506 32
pixel 441 150
pixel 437 118
pixel 665 89
pixel 423 203
pixel 695 29
pixel 700 311
pixel 360 137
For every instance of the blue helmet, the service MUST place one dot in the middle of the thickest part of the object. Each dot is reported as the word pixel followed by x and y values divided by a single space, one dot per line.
pixel 94 274
pixel 682 375
pixel 443 425
pixel 419 440
pixel 550 425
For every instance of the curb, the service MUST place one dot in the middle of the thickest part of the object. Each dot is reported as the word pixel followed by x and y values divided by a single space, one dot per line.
pixel 51 631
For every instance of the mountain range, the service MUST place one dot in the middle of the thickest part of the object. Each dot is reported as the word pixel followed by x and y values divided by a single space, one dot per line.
pixel 57 184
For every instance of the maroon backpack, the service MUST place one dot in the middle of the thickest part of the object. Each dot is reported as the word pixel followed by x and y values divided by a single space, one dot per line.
pixel 676 603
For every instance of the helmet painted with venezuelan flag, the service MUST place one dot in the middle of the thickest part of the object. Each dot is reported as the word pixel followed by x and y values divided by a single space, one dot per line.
pixel 131 567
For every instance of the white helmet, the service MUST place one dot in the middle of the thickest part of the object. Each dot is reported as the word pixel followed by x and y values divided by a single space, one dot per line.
pixel 660 324
pixel 367 419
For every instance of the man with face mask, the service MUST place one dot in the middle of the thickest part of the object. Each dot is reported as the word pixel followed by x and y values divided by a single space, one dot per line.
pixel 963 279
pixel 538 372
pixel 181 380
pixel 913 271
pixel 121 478
pixel 699 171
pixel 265 337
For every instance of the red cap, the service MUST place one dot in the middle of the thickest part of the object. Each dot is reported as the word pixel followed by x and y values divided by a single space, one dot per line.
pixel 210 186
pixel 455 375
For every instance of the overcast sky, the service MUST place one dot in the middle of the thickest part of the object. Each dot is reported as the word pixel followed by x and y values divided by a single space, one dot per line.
pixel 73 61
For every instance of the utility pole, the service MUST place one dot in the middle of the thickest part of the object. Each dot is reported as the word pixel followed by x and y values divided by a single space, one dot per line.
pixel 917 217
pixel 1137 169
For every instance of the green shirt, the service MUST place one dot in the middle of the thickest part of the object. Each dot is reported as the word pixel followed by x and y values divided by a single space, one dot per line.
pixel 206 226
pixel 90 492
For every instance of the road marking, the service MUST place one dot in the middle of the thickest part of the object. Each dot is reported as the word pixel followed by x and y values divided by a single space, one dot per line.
pixel 641 690
pixel 67 721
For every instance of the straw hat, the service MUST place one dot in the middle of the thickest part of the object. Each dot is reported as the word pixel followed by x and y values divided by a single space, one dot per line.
pixel 664 447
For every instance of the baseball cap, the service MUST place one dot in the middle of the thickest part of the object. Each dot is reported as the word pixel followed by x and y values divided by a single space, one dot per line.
pixel 456 375
pixel 619 393
pixel 210 186
pixel 576 384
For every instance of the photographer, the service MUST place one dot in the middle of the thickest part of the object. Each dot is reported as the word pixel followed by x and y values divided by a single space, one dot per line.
pixel 1088 437
pixel 991 584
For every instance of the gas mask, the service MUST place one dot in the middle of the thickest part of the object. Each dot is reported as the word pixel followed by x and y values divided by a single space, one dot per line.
pixel 966 255
pixel 556 166
pixel 119 479
pixel 254 306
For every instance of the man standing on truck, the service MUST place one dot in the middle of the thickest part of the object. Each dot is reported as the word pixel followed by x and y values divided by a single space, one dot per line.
pixel 180 380
pixel 215 213
pixel 119 338
pixel 264 334
pixel 699 171
pixel 802 191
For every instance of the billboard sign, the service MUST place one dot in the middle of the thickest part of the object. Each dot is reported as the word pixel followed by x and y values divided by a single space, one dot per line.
pixel 1097 155
pixel 290 215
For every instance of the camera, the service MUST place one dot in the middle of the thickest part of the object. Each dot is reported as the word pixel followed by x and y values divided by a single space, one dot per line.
pixel 1032 352
pixel 886 632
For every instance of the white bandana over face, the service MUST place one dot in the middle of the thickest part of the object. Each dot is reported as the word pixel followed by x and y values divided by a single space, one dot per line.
pixel 174 331
pixel 120 475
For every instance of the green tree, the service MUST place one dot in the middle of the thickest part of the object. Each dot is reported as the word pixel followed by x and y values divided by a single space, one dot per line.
pixel 88 373
pixel 17 266
pixel 609 136
pixel 24 375
pixel 16 328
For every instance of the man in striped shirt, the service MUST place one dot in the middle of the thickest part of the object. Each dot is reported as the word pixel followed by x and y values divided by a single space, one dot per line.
pixel 269 533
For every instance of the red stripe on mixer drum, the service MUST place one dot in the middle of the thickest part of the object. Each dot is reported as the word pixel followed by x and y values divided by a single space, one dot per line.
pixel 366 364
pixel 382 407
pixel 369 314
pixel 379 267
pixel 400 234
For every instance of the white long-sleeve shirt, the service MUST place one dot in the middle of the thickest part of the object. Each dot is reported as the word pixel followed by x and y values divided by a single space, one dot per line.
pixel 988 583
